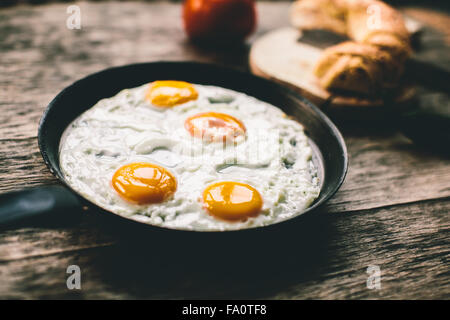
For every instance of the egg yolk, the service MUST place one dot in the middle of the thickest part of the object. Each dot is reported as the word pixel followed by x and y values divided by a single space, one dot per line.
pixel 232 200
pixel 214 126
pixel 170 93
pixel 144 183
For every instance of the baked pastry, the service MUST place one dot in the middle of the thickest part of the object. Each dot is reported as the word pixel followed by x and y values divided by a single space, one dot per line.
pixel 374 60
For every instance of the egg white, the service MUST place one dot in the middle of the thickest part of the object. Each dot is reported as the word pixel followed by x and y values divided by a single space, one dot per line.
pixel 274 157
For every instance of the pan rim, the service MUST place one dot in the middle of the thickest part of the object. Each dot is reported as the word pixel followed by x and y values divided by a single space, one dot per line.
pixel 43 146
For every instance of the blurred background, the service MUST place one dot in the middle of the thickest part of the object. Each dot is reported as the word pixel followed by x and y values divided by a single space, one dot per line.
pixel 435 4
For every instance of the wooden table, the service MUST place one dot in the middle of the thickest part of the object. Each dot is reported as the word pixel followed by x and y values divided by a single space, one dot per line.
pixel 392 211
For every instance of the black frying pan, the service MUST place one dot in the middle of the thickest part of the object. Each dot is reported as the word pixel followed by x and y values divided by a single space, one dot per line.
pixel 330 154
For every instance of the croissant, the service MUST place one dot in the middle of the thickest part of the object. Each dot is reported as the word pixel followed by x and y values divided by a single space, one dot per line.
pixel 374 60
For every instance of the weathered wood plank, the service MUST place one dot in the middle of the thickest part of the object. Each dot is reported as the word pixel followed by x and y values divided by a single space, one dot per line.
pixel 408 242
pixel 27 243
pixel 387 169
pixel 22 165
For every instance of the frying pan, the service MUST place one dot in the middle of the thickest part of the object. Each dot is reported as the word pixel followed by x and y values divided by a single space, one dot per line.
pixel 55 202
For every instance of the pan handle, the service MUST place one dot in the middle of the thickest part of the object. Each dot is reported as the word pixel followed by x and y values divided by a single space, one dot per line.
pixel 46 204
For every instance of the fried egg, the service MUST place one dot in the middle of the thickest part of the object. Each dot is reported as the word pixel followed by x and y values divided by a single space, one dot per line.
pixel 189 156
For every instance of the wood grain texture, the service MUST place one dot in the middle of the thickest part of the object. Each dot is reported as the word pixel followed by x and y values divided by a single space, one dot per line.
pixel 408 242
pixel 284 56
pixel 392 209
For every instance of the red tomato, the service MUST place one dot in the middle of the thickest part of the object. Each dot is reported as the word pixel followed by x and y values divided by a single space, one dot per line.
pixel 219 19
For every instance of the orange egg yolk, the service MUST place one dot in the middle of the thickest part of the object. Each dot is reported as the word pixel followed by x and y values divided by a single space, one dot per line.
pixel 170 93
pixel 232 201
pixel 144 183
pixel 214 126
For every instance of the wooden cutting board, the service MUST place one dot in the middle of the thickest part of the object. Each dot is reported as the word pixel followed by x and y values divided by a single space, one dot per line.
pixel 288 56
